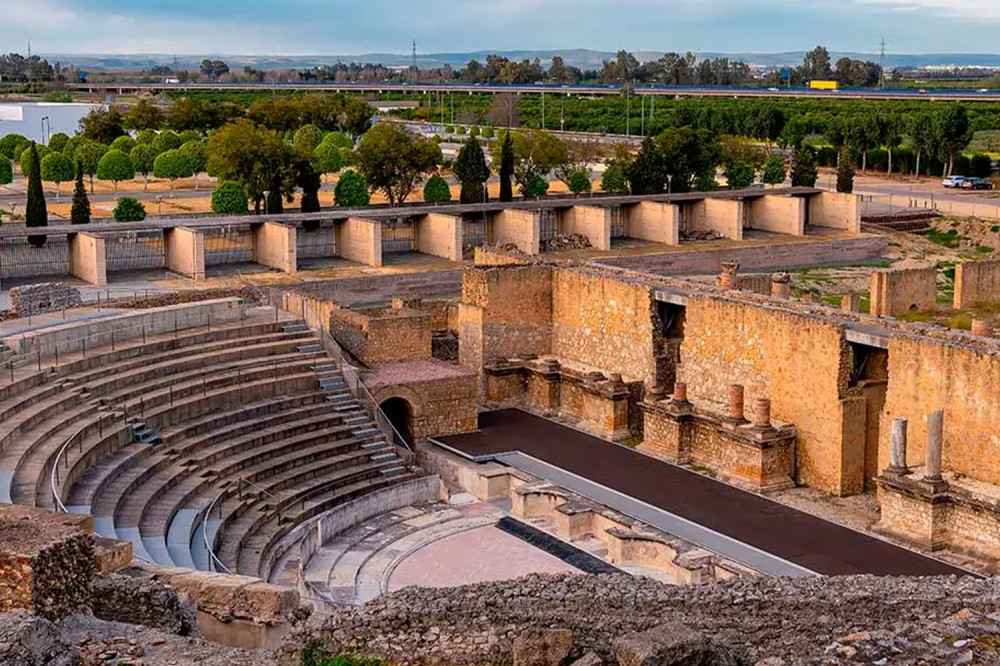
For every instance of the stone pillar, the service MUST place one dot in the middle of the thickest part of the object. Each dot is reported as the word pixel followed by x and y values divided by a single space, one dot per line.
pixel 736 403
pixel 935 442
pixel 897 451
pixel 781 286
pixel 680 392
pixel 729 278
pixel 851 303
pixel 982 327
pixel 762 414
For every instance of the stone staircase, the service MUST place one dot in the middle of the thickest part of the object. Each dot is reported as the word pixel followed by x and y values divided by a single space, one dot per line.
pixel 251 418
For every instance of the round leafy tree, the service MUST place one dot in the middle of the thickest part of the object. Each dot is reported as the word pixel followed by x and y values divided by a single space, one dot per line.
pixel 740 175
pixel 57 168
pixel 124 144
pixel 535 187
pixel 172 165
pixel 28 154
pixel 143 156
pixel 12 145
pixel 6 172
pixel 613 181
pixel 58 141
pixel 129 209
pixel 229 198
pixel 352 190
pixel 436 190
pixel 115 166
pixel 165 141
pixel 579 182
pixel 328 157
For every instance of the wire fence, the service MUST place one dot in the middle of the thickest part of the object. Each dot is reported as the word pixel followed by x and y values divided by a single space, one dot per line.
pixel 878 205
pixel 20 259
pixel 229 244
pixel 398 236
pixel 133 250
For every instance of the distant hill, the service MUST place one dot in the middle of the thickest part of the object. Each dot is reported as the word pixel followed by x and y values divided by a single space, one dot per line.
pixel 582 58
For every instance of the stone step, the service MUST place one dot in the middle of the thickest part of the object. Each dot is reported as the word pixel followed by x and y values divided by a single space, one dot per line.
pixel 365 432
pixel 383 457
pixel 393 471
pixel 310 349
pixel 332 383
pixel 340 398
pixel 374 446
pixel 356 420
pixel 294 328
pixel 325 367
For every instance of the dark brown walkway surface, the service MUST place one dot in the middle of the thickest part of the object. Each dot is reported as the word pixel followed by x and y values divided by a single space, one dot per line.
pixel 798 537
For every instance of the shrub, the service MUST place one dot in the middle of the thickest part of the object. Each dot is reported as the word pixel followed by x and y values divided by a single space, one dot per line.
pixel 449 129
pixel 129 209
pixel 579 182
pixel 474 130
pixel 535 187
pixel 488 132
pixel 6 172
pixel 460 129
pixel 351 190
pixel 613 181
pixel 229 198
pixel 436 190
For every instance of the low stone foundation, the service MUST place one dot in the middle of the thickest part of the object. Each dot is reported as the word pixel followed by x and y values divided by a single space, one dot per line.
pixel 599 401
pixel 754 454
pixel 628 542
pixel 34 299
pixel 952 513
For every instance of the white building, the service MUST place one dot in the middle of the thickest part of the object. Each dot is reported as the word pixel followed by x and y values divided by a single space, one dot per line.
pixel 40 120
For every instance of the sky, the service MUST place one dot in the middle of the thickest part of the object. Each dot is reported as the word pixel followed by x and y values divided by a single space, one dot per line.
pixel 298 27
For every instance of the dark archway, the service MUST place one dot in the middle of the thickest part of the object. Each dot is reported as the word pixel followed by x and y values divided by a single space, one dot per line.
pixel 400 414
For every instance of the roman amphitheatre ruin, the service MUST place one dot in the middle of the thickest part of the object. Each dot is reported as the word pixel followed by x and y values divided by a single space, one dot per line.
pixel 247 427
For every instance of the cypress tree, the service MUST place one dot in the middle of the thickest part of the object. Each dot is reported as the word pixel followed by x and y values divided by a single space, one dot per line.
pixel 80 211
pixel 845 171
pixel 507 168
pixel 804 171
pixel 35 213
pixel 472 171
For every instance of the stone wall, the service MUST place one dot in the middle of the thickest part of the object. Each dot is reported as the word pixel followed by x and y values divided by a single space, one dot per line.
pixel 976 282
pixel 723 216
pixel 35 299
pixel 836 211
pixel 757 457
pixel 381 289
pixel 275 245
pixel 899 291
pixel 383 335
pixel 442 396
pixel 926 375
pixel 777 214
pixel 797 360
pixel 655 222
pixel 519 227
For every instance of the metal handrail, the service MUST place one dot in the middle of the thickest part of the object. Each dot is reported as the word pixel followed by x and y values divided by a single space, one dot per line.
pixel 213 560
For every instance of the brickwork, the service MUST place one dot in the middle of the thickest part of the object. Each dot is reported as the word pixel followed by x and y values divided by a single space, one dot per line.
pixel 899 291
pixel 442 396
pixel 383 335
pixel 976 282
pixel 35 299
pixel 749 454
pixel 728 342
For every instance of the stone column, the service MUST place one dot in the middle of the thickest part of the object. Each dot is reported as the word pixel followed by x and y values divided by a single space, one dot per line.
pixel 762 414
pixel 935 442
pixel 781 286
pixel 982 327
pixel 729 278
pixel 897 452
pixel 680 392
pixel 736 403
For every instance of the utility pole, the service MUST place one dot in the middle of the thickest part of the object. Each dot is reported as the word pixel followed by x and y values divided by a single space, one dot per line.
pixel 881 65
pixel 543 110
pixel 413 64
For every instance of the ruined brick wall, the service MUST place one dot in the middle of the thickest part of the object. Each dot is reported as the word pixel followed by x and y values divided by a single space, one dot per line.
pixel 797 360
pixel 505 312
pixel 604 321
pixel 962 379
pixel 34 299
pixel 383 336
pixel 896 292
pixel 976 282
pixel 442 397
pixel 493 256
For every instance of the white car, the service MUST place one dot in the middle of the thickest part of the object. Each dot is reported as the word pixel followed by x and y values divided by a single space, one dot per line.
pixel 953 181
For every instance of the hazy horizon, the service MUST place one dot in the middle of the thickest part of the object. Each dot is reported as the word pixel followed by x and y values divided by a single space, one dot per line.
pixel 312 27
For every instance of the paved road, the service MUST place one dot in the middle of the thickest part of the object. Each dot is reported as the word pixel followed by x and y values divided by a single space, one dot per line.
pixel 800 538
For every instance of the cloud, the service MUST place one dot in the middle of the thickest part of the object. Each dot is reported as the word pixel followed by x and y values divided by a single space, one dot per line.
pixel 966 10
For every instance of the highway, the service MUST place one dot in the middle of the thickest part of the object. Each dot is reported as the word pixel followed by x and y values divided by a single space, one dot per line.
pixel 523 89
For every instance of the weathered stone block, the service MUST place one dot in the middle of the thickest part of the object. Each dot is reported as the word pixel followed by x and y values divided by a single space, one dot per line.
pixel 542 647
pixel 671 645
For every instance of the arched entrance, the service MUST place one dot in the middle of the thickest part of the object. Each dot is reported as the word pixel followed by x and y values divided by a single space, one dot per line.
pixel 400 413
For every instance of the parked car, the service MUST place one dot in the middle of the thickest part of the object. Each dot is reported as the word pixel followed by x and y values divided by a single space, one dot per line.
pixel 976 184
pixel 953 181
